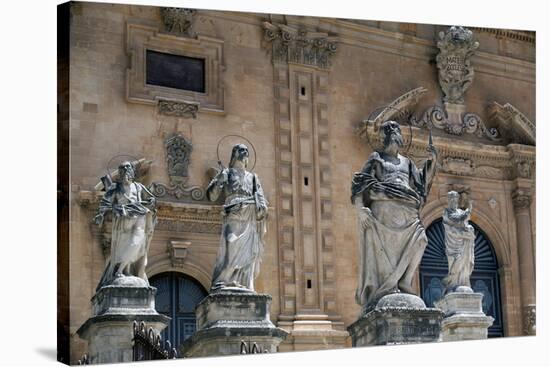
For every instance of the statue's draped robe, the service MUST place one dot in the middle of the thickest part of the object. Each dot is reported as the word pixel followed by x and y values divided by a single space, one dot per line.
pixel 392 239
pixel 459 248
pixel 241 242
pixel 133 226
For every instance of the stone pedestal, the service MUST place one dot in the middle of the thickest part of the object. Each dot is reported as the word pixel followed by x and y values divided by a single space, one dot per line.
pixel 227 318
pixel 464 318
pixel 109 331
pixel 397 319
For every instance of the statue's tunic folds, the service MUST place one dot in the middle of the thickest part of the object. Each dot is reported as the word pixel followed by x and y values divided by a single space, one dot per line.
pixel 241 243
pixel 132 231
pixel 392 238
pixel 459 248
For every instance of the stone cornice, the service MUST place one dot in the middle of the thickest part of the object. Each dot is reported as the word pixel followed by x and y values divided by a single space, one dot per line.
pixel 362 35
pixel 523 36
pixel 165 209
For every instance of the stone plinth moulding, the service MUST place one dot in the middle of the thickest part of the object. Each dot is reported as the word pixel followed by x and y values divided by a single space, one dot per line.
pixel 398 318
pixel 226 319
pixel 116 307
pixel 464 318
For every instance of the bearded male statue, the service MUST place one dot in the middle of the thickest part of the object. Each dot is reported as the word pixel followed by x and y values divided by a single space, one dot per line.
pixel 133 211
pixel 388 194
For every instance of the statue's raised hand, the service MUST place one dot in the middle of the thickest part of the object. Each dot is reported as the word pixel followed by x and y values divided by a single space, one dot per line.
pixel 98 219
pixel 432 152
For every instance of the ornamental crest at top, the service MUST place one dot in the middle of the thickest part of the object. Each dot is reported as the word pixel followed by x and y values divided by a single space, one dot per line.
pixel 456 74
pixel 300 46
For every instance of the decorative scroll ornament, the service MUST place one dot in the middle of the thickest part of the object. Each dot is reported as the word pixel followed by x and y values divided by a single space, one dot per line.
pixel 178 20
pixel 521 199
pixel 471 124
pixel 178 109
pixel 178 155
pixel 299 45
pixel 456 74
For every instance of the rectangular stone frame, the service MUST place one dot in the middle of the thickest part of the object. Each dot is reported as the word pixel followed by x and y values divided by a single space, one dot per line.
pixel 140 38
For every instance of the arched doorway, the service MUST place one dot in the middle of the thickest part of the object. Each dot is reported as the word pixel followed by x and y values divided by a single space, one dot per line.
pixel 484 279
pixel 177 296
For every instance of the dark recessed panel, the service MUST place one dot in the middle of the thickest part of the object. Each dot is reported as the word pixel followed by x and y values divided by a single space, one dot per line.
pixel 175 71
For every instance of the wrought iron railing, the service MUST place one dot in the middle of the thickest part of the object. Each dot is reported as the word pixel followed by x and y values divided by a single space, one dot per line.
pixel 149 346
pixel 251 348
pixel 84 360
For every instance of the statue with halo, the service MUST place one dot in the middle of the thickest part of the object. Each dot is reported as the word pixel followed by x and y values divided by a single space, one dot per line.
pixel 244 214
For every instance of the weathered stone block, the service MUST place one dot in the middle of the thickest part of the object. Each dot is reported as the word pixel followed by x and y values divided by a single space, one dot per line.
pixel 397 319
pixel 226 319
pixel 464 317
pixel 109 331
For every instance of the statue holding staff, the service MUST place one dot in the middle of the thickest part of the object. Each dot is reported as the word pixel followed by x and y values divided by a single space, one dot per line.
pixel 388 194
pixel 244 214
pixel 459 245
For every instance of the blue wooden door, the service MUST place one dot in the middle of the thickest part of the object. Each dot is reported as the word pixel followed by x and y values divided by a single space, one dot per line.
pixel 484 279
pixel 177 296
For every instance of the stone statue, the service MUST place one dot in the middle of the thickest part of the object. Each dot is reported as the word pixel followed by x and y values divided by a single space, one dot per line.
pixel 244 214
pixel 388 194
pixel 133 210
pixel 459 245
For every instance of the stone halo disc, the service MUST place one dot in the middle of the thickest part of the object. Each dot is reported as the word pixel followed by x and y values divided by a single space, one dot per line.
pixel 378 110
pixel 236 136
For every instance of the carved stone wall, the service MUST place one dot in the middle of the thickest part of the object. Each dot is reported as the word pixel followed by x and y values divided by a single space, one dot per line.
pixel 304 187
pixel 312 228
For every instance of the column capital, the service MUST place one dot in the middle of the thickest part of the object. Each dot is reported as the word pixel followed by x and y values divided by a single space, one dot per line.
pixel 521 198
pixel 299 45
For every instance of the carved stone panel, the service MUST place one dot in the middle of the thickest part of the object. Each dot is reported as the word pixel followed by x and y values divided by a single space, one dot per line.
pixel 178 20
pixel 178 156
pixel 299 45
pixel 456 74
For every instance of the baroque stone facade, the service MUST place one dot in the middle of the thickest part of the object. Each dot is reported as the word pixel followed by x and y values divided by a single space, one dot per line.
pixel 303 91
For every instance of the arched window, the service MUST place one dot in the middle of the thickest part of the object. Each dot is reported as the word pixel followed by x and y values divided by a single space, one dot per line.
pixel 484 279
pixel 177 296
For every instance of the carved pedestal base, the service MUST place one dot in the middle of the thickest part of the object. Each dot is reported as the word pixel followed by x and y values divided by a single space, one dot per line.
pixel 226 319
pixel 313 332
pixel 109 331
pixel 464 318
pixel 397 319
